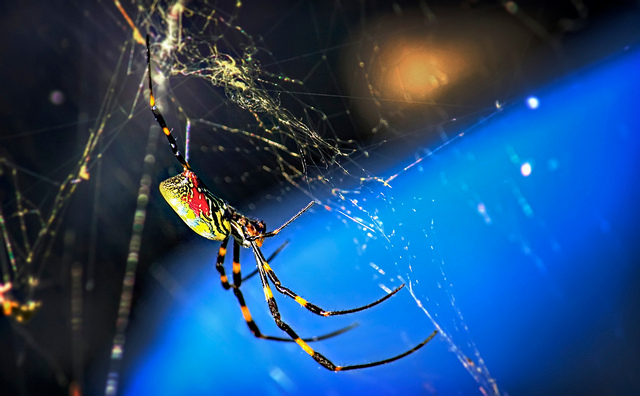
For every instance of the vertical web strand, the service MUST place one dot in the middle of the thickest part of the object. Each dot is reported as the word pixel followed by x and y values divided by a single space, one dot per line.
pixel 124 308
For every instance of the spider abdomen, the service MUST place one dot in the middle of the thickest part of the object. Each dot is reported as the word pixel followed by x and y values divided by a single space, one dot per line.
pixel 203 212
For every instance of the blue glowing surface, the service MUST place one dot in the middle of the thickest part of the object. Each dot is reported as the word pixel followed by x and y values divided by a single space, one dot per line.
pixel 536 217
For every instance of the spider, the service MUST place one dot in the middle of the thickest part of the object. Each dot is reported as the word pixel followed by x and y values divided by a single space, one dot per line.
pixel 213 218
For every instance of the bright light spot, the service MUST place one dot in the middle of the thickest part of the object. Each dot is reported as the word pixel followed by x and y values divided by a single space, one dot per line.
pixel 56 97
pixel 525 169
pixel 413 69
pixel 167 45
pixel 482 210
pixel 116 352
pixel 533 102
pixel 414 72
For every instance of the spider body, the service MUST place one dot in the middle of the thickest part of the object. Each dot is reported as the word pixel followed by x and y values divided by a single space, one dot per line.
pixel 206 214
pixel 213 218
pixel 202 211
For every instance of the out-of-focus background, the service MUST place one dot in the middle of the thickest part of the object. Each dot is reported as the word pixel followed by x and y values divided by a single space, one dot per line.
pixel 482 153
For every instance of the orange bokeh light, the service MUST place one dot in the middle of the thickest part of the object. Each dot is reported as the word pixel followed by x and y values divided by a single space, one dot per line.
pixel 413 70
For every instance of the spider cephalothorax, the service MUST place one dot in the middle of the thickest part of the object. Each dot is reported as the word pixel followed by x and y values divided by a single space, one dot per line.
pixel 244 230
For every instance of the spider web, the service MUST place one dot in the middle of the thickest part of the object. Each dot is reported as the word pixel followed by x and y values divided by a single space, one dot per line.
pixel 265 116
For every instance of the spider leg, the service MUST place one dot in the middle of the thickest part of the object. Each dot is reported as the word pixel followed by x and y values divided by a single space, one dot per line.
pixel 318 357
pixel 237 279
pixel 306 304
pixel 222 252
pixel 277 230
pixel 269 259
pixel 159 118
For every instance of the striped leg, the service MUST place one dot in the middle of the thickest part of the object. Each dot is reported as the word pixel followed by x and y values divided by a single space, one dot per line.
pixel 237 279
pixel 222 252
pixel 318 357
pixel 256 332
pixel 312 307
pixel 269 259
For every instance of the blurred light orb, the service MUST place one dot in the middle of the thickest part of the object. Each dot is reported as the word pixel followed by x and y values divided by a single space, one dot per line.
pixel 56 97
pixel 409 69
pixel 525 169
pixel 533 102
pixel 511 7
